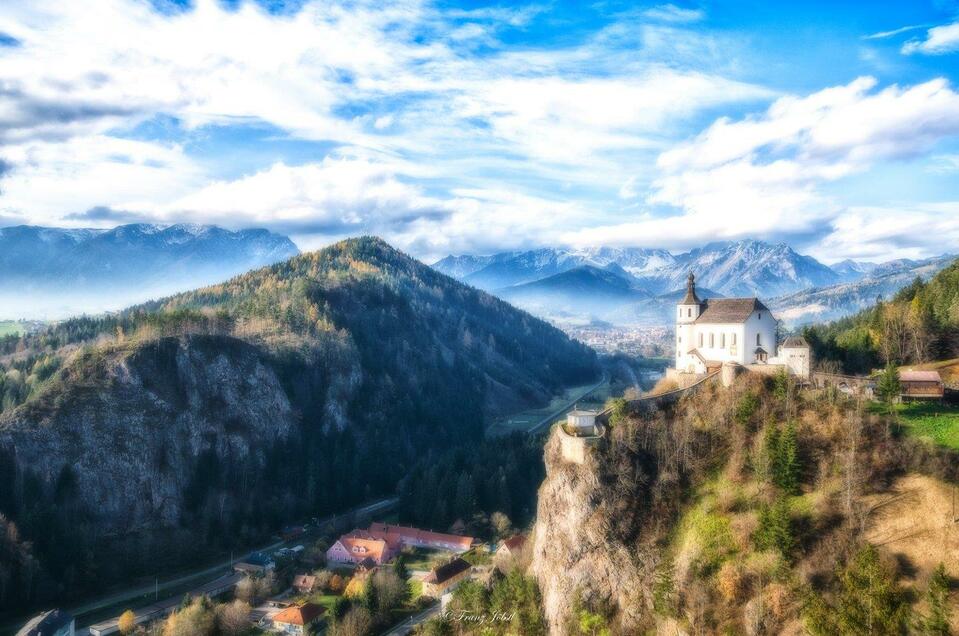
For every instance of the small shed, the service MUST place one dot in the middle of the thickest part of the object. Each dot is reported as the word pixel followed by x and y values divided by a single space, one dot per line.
pixel 921 385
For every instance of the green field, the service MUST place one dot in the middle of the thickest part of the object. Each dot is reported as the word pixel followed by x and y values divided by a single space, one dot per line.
pixel 424 558
pixel 10 328
pixel 936 422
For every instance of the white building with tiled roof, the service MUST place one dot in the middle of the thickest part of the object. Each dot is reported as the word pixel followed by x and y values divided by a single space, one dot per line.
pixel 714 331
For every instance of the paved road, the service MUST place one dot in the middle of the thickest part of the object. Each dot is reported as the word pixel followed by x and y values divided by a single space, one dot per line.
pixel 208 572
pixel 407 626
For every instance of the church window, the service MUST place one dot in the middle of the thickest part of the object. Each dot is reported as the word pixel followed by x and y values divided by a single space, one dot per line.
pixel 689 312
pixel 712 340
pixel 734 340
pixel 722 341
pixel 700 340
pixel 758 341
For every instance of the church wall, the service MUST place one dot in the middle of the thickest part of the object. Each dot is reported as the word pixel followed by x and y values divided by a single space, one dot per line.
pixel 718 351
pixel 766 328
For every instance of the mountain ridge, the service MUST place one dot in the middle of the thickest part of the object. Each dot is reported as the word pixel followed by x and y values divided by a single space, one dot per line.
pixel 749 267
pixel 73 271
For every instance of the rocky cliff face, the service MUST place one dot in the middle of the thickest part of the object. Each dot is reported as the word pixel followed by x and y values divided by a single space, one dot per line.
pixel 580 552
pixel 600 524
pixel 130 425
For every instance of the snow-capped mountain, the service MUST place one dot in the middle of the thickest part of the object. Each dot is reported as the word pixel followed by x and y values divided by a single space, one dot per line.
pixel 851 271
pixel 506 269
pixel 744 268
pixel 747 268
pixel 837 301
pixel 802 286
pixel 50 272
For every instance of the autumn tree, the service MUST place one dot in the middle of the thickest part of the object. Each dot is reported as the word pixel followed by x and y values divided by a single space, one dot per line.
pixel 233 619
pixel 127 622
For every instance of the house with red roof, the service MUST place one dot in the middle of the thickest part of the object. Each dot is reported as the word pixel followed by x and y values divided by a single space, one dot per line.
pixel 399 537
pixel 358 546
pixel 298 620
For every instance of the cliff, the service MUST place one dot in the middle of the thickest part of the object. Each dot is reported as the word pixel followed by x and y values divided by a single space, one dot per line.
pixel 130 424
pixel 599 523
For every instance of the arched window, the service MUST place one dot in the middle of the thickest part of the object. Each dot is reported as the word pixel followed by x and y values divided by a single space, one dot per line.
pixel 722 341
pixel 712 340
pixel 700 340
pixel 758 341
pixel 689 312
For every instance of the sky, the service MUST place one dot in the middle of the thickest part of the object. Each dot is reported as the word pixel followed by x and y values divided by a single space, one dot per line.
pixel 474 127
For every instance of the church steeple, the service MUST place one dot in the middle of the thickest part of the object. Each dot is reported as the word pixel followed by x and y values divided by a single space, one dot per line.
pixel 691 297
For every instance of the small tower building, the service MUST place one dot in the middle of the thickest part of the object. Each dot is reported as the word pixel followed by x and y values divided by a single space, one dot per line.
pixel 580 422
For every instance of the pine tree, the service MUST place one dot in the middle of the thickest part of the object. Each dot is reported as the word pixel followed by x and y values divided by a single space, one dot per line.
pixel 786 463
pixel 869 602
pixel 888 386
pixel 775 530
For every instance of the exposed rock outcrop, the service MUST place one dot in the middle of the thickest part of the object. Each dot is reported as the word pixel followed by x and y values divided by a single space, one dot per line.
pixel 596 543
pixel 130 425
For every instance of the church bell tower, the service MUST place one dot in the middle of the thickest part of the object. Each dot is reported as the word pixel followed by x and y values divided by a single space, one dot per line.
pixel 687 311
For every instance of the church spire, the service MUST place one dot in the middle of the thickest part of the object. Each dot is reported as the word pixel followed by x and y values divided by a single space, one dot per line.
pixel 691 297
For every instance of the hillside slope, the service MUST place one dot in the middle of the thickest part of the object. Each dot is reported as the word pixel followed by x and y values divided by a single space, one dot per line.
pixel 744 510
pixel 210 418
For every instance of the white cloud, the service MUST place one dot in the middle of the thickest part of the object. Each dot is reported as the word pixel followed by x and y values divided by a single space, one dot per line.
pixel 51 179
pixel 882 35
pixel 761 175
pixel 395 88
pixel 939 40
pixel 672 13
pixel 884 233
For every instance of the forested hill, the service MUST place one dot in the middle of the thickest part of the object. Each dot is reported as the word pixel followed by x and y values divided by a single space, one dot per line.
pixel 920 323
pixel 208 419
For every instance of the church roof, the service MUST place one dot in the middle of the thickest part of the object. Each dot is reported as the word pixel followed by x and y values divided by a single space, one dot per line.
pixel 729 310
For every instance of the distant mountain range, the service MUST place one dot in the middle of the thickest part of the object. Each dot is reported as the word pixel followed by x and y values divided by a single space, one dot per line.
pixel 637 286
pixel 829 303
pixel 54 272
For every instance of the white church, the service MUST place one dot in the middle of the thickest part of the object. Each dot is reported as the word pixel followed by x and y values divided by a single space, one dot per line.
pixel 741 331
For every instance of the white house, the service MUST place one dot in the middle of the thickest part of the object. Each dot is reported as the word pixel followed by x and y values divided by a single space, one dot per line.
pixel 713 331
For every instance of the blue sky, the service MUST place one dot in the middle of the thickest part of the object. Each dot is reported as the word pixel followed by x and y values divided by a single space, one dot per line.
pixel 478 127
